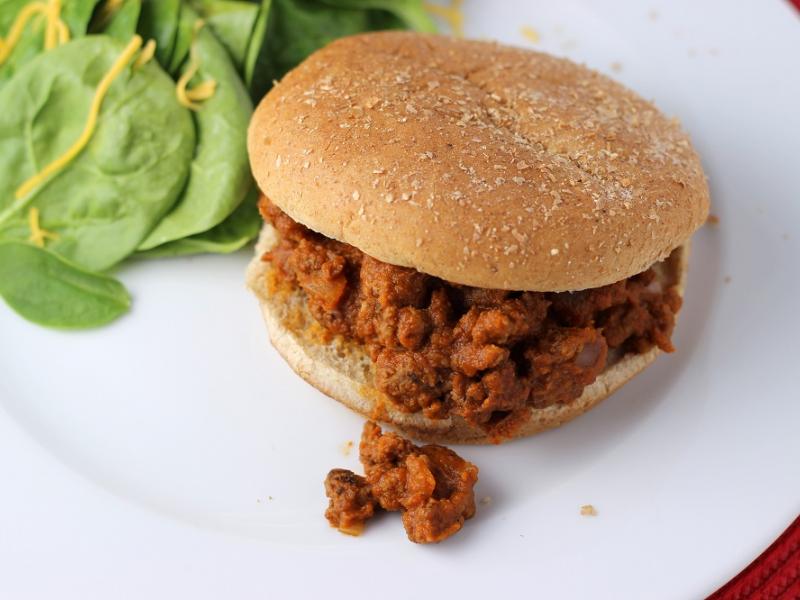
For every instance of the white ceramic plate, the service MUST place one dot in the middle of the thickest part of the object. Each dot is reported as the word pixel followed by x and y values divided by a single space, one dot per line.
pixel 174 455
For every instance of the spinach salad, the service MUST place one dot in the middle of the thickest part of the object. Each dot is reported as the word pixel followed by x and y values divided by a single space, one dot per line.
pixel 123 133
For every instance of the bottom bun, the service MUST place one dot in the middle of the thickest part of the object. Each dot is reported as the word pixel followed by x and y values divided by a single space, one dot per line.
pixel 343 370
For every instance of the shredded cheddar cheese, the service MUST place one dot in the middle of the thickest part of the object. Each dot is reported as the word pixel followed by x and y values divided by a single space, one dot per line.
pixel 530 34
pixel 203 91
pixel 51 32
pixel 146 55
pixel 56 31
pixel 451 14
pixel 38 235
pixel 91 122
pixel 18 27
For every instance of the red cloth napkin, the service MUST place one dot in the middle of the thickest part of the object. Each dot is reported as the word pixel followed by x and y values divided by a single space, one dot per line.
pixel 775 575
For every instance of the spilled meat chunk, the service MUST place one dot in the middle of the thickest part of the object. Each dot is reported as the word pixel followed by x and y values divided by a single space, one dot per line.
pixel 430 485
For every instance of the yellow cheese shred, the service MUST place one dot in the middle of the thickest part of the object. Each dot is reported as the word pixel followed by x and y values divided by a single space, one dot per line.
pixel 530 34
pixel 18 27
pixel 56 31
pixel 451 14
pixel 146 55
pixel 51 32
pixel 91 122
pixel 38 235
pixel 203 91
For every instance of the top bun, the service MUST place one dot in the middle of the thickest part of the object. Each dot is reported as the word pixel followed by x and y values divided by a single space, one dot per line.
pixel 478 163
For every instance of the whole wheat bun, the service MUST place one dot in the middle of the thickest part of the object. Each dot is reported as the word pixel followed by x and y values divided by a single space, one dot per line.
pixel 343 370
pixel 478 163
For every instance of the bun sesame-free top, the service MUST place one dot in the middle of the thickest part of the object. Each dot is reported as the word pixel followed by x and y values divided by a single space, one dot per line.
pixel 477 163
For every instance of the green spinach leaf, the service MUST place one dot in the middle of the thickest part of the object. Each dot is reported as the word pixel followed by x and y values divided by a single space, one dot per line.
pixel 255 44
pixel 46 289
pixel 118 188
pixel 77 14
pixel 287 31
pixel 159 21
pixel 183 39
pixel 229 236
pixel 412 13
pixel 220 172
pixel 232 21
pixel 123 23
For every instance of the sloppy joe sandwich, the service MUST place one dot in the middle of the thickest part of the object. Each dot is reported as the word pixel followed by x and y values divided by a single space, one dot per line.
pixel 469 241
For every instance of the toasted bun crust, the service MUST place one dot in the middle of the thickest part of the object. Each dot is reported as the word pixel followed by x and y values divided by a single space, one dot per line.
pixel 343 371
pixel 481 164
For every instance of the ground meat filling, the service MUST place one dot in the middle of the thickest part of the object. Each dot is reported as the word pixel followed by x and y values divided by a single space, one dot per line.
pixel 430 485
pixel 444 349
